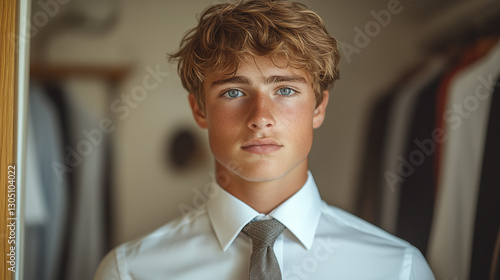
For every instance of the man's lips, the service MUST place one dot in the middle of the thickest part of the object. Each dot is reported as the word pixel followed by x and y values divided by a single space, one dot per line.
pixel 261 146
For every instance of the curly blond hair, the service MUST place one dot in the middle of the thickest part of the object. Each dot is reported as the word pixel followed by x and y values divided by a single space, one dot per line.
pixel 227 33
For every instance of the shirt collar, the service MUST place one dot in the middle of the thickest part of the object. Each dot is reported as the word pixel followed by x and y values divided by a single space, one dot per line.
pixel 299 214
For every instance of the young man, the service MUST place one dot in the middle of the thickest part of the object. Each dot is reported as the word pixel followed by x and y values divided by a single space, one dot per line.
pixel 258 74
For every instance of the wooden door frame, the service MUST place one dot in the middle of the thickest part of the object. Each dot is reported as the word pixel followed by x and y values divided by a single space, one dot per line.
pixel 14 65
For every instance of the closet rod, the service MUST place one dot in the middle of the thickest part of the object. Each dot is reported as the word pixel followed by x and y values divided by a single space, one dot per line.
pixel 113 74
pixel 483 22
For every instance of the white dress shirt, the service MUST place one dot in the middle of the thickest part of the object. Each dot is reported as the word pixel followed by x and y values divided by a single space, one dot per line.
pixel 319 242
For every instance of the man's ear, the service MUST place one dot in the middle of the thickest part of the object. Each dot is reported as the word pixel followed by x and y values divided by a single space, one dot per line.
pixel 198 114
pixel 320 111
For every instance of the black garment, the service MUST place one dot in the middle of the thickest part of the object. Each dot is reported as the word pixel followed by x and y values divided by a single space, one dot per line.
pixel 369 186
pixel 416 204
pixel 57 95
pixel 487 223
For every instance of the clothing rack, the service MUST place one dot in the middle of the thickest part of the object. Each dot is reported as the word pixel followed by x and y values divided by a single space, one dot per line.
pixel 484 21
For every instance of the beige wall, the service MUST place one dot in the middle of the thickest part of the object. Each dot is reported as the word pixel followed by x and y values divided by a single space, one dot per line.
pixel 147 194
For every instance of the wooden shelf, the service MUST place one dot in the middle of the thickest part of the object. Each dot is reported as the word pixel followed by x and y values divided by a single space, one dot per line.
pixel 113 74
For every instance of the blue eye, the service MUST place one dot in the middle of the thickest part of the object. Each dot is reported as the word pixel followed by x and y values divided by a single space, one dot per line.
pixel 286 91
pixel 233 93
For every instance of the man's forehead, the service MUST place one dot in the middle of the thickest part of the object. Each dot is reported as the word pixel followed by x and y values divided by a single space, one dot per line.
pixel 264 69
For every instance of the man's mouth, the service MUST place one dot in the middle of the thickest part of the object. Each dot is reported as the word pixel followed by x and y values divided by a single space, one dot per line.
pixel 261 146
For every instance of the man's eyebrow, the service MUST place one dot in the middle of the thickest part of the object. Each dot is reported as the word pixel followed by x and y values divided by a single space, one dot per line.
pixel 269 80
pixel 232 80
pixel 278 79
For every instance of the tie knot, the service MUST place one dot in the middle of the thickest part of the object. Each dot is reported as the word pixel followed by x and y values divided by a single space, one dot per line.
pixel 264 233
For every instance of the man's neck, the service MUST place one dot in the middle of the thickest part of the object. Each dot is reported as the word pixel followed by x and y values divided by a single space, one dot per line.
pixel 264 196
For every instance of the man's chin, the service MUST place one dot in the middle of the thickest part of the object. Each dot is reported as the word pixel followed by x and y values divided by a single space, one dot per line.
pixel 261 174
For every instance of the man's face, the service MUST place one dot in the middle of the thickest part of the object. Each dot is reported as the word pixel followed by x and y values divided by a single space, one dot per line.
pixel 260 121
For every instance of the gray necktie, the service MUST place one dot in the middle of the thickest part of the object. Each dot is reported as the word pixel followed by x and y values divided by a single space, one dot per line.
pixel 263 262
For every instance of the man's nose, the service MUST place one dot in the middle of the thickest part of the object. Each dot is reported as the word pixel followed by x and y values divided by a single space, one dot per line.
pixel 261 113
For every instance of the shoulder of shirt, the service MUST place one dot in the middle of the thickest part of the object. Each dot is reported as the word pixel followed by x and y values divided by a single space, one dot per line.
pixel 353 222
pixel 170 229
pixel 116 261
pixel 413 265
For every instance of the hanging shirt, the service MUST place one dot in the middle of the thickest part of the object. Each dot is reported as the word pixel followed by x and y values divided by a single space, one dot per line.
pixel 43 248
pixel 469 56
pixel 87 239
pixel 319 242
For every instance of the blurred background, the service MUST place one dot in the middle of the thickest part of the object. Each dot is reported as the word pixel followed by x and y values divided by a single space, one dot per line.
pixel 113 150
